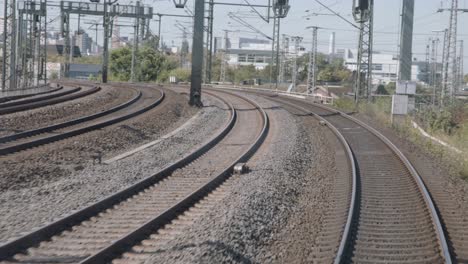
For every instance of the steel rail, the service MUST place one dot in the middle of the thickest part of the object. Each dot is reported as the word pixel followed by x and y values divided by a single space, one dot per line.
pixel 21 96
pixel 11 248
pixel 76 121
pixel 56 137
pixel 52 101
pixel 40 98
pixel 439 230
pixel 351 159
pixel 442 240
pixel 120 246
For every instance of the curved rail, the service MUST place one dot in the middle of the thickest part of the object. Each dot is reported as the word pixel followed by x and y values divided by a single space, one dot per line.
pixel 71 122
pixel 40 98
pixel 74 132
pixel 41 103
pixel 21 96
pixel 159 221
pixel 9 249
pixel 420 183
pixel 352 162
pixel 438 228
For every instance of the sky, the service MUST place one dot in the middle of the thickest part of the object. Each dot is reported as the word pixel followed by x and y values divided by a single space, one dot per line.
pixel 386 22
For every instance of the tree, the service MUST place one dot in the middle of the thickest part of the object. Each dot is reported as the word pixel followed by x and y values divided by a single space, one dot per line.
pixel 120 63
pixel 181 74
pixel 151 64
pixel 381 90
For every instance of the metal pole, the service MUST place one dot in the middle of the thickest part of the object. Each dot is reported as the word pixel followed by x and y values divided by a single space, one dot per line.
pixel 159 31
pixel 197 54
pixel 5 44
pixel 205 62
pixel 278 21
pixel 210 54
pixel 135 44
pixel 105 52
pixel 312 76
pixel 273 50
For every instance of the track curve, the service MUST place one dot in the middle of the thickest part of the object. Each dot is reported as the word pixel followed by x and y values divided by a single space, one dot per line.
pixel 395 219
pixel 22 96
pixel 32 103
pixel 102 231
pixel 145 100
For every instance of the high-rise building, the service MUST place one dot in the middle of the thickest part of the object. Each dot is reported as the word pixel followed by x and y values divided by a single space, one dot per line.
pixel 332 44
pixel 84 42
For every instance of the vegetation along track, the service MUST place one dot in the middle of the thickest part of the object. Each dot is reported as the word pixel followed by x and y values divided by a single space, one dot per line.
pixel 55 98
pixel 393 219
pixel 145 100
pixel 103 231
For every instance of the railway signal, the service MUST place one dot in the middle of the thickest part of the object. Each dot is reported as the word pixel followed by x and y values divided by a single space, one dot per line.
pixel 363 13
pixel 180 3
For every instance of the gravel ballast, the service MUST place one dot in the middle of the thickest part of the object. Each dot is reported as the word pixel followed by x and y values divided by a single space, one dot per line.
pixel 75 185
pixel 272 213
pixel 105 99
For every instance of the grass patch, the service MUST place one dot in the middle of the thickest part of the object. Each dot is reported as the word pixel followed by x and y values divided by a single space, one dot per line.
pixel 449 125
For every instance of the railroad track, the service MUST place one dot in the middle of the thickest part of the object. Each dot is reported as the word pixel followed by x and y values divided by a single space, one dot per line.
pixel 106 230
pixel 55 98
pixel 22 96
pixel 393 218
pixel 144 100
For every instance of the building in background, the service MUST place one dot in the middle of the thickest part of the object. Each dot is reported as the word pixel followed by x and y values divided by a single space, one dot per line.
pixel 385 66
pixel 84 42
pixel 244 51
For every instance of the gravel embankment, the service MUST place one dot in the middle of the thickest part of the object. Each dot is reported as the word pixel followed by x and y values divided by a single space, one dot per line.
pixel 105 99
pixel 67 182
pixel 271 214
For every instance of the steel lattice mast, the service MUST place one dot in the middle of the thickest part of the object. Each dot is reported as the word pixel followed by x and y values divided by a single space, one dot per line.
pixel 9 45
pixel 312 71
pixel 460 68
pixel 406 41
pixel 297 41
pixel 450 56
pixel 224 58
pixel 433 72
pixel 363 13
pixel 284 54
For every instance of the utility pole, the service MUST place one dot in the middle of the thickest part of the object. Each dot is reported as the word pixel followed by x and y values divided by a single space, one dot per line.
pixel 284 54
pixel 136 29
pixel 449 79
pixel 105 52
pixel 197 54
pixel 406 40
pixel 297 41
pixel 312 72
pixel 280 10
pixel 273 49
pixel 224 58
pixel 428 62
pixel 433 73
pixel 363 12
pixel 460 67
pixel 9 46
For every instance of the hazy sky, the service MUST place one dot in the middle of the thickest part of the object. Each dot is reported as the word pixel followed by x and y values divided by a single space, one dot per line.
pixel 386 24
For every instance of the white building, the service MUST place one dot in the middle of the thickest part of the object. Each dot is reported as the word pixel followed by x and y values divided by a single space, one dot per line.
pixel 245 51
pixel 249 51
pixel 384 66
